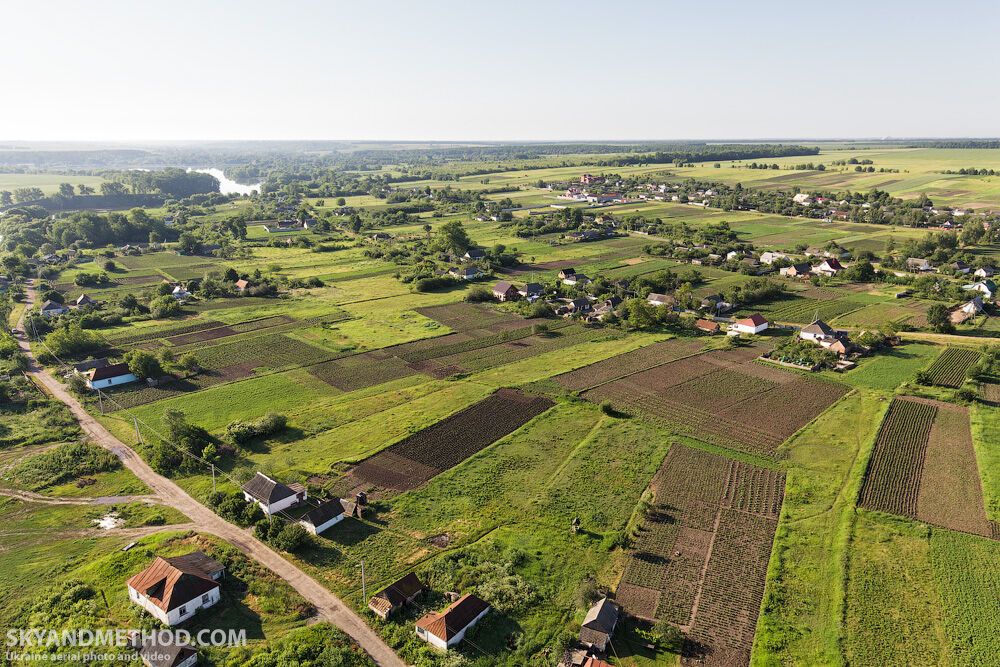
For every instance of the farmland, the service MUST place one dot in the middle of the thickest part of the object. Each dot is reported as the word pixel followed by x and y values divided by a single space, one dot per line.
pixel 950 369
pixel 772 516
pixel 447 443
pixel 702 552
pixel 717 395
pixel 924 467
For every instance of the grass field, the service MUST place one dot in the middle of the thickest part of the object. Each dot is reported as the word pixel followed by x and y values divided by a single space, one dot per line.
pixel 49 183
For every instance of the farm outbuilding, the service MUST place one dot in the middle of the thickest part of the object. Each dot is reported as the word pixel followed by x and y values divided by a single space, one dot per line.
pixel 394 596
pixel 272 496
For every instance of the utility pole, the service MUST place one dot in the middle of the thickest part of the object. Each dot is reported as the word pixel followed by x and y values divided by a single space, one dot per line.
pixel 138 433
pixel 364 587
pixel 213 478
pixel 100 400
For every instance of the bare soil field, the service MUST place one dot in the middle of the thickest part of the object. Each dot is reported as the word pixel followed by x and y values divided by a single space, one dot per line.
pixel 419 457
pixel 700 558
pixel 719 396
pixel 924 467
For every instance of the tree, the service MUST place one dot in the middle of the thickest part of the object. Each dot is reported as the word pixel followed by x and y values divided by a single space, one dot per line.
pixel 188 243
pixel 452 237
pixel 143 364
pixel 112 189
pixel 66 189
pixel 189 363
pixel 6 198
pixel 939 319
pixel 341 201
pixel 84 189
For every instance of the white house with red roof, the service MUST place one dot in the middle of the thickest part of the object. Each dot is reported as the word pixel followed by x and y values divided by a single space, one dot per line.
pixel 748 325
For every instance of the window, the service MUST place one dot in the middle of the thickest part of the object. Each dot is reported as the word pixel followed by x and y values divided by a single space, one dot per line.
pixel 184 611
pixel 204 599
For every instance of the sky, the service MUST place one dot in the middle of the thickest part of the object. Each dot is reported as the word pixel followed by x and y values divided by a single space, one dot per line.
pixel 112 70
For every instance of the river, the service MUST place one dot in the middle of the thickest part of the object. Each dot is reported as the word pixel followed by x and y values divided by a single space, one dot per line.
pixel 228 186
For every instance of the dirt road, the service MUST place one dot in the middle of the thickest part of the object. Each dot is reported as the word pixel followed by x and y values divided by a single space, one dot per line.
pixel 328 606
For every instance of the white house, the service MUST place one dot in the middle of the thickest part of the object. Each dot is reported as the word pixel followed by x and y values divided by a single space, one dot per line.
pixel 447 628
pixel 802 198
pixel 173 589
pixel 661 300
pixel 52 309
pixel 749 325
pixel 180 293
pixel 468 273
pixel 576 279
pixel 326 515
pixel 984 272
pixel 771 257
pixel 110 376
pixel 817 332
pixel 985 287
pixel 272 496
pixel 829 267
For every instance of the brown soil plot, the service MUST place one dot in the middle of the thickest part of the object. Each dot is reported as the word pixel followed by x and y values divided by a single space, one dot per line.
pixel 419 457
pixel 924 467
pixel 701 554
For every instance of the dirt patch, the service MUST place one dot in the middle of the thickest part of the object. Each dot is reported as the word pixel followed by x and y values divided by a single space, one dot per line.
pixel 200 336
pixel 950 491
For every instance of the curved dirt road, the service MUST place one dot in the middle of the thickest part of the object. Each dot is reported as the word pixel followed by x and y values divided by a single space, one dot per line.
pixel 328 606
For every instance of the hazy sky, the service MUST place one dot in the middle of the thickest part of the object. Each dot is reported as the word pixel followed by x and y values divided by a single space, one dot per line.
pixel 281 69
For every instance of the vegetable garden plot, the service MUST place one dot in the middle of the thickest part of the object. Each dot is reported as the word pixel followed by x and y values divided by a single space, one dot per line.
pixel 628 363
pixel 130 337
pixel 419 457
pixel 892 480
pixel 724 398
pixel 361 370
pixel 951 368
pixel 950 489
pixel 463 316
pixel 700 557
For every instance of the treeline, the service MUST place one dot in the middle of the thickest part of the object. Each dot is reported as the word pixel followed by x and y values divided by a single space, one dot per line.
pixel 172 182
pixel 972 171
pixel 713 152
pixel 957 143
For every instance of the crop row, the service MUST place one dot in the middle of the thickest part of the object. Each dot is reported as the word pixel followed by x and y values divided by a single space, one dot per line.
pixel 131 336
pixel 731 594
pixel 448 349
pixel 952 367
pixel 892 480
pixel 414 460
pixel 631 362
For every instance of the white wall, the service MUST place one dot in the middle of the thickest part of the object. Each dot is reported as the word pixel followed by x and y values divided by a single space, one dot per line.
pixel 174 616
pixel 316 530
pixel 290 501
pixel 113 382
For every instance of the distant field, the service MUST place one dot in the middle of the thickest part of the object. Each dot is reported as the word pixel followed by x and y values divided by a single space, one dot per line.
pixel 49 183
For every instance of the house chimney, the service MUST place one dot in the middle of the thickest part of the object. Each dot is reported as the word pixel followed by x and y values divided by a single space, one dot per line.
pixel 361 498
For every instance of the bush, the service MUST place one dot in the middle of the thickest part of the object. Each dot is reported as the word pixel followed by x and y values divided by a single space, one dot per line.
pixel 64 464
pixel 284 536
pixel 242 432
pixel 436 284
pixel 479 294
